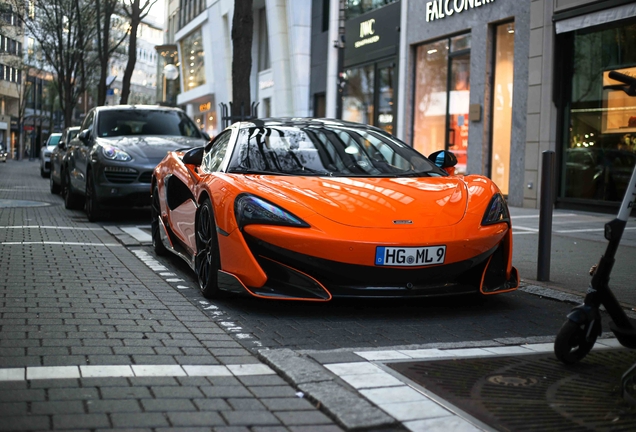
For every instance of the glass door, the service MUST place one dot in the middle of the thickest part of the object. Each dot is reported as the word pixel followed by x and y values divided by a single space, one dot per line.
pixel 386 75
pixel 458 107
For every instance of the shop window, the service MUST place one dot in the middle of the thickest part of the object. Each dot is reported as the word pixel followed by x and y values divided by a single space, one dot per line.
pixel 599 146
pixel 502 105
pixel 357 102
pixel 442 98
pixel 192 64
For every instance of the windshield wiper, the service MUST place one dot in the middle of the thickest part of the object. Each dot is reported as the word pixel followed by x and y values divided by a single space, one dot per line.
pixel 305 170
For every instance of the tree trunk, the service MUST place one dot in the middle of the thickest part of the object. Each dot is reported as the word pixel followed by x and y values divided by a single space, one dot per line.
pixel 135 19
pixel 242 30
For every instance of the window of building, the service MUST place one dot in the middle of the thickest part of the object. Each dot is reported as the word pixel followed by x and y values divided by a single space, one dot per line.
pixel 354 8
pixel 599 145
pixel 502 105
pixel 442 98
pixel 263 41
pixel 193 64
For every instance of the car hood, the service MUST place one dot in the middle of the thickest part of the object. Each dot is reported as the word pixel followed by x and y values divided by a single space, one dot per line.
pixel 152 148
pixel 374 202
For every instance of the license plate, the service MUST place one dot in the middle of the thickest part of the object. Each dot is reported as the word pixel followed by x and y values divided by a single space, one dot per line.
pixel 409 256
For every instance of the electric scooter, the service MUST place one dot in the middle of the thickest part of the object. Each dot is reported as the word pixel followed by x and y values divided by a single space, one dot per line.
pixel 579 333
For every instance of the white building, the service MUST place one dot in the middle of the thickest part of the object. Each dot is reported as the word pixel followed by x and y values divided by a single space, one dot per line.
pixel 280 57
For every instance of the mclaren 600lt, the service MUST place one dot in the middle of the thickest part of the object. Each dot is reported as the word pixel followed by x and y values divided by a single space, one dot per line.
pixel 312 209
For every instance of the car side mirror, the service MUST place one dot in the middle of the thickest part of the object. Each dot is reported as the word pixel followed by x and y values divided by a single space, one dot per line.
pixel 445 160
pixel 193 156
pixel 84 136
pixel 61 145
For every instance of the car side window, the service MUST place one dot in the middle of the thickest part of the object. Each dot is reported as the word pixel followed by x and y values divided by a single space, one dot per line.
pixel 88 121
pixel 213 158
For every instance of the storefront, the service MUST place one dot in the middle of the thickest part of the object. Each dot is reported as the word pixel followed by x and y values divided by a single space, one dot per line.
pixel 596 130
pixel 467 85
pixel 370 67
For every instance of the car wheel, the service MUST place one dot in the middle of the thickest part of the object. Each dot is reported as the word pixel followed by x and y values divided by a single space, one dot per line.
pixel 91 205
pixel 155 214
pixel 207 260
pixel 42 173
pixel 54 187
pixel 71 200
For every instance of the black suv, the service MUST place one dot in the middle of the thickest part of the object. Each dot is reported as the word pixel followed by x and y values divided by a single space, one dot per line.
pixel 109 163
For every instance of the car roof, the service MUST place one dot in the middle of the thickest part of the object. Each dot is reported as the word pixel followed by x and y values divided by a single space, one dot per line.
pixel 302 122
pixel 136 107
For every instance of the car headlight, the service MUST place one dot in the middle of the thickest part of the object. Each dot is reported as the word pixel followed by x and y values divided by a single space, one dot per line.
pixel 497 211
pixel 250 209
pixel 47 154
pixel 113 153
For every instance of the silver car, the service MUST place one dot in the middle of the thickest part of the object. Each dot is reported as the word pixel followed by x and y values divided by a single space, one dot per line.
pixel 45 153
pixel 57 158
pixel 3 154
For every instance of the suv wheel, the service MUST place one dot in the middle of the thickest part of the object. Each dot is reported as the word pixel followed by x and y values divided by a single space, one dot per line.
pixel 54 187
pixel 92 206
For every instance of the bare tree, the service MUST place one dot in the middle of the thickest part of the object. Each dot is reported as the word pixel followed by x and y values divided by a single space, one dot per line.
pixel 107 45
pixel 64 31
pixel 136 11
pixel 242 33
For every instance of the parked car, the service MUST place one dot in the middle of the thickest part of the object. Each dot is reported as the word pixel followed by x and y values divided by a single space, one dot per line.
pixel 109 163
pixel 308 209
pixel 57 157
pixel 3 154
pixel 45 153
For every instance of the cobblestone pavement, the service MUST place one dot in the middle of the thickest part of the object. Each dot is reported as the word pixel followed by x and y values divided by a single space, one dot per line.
pixel 91 338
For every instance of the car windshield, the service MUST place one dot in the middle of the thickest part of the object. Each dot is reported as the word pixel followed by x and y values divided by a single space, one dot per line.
pixel 321 150
pixel 54 139
pixel 112 123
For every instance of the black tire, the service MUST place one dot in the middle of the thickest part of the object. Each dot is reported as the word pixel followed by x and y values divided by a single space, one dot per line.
pixel 54 187
pixel 155 214
pixel 207 261
pixel 570 345
pixel 42 173
pixel 72 201
pixel 91 203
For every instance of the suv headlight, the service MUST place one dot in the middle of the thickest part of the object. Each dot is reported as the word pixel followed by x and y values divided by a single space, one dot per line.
pixel 113 153
pixel 497 211
pixel 250 209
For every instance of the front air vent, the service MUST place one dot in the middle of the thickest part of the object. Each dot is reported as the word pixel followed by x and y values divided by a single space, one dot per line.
pixel 120 174
pixel 145 177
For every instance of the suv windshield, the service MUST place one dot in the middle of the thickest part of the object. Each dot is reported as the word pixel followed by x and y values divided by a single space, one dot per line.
pixel 333 150
pixel 113 123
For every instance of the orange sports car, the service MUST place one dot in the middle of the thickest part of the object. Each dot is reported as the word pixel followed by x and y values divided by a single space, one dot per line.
pixel 311 209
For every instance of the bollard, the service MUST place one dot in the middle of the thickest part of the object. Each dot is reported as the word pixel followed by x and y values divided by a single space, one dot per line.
pixel 545 215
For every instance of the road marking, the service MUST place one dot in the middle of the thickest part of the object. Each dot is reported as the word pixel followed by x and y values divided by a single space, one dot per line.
pixel 59 243
pixel 110 371
pixel 526 230
pixel 138 234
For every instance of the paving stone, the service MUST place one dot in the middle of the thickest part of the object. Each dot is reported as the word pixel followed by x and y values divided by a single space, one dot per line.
pixel 13 408
pixel 250 418
pixel 286 404
pixel 176 392
pixel 245 404
pixel 73 394
pixel 139 420
pixel 196 419
pixel 216 404
pixel 112 406
pixel 57 407
pixel 21 395
pixel 75 421
pixel 153 381
pixel 225 391
pixel 261 380
pixel 125 393
pixel 22 423
pixel 104 382
pixel 164 405
pixel 324 428
pixel 272 391
pixel 293 418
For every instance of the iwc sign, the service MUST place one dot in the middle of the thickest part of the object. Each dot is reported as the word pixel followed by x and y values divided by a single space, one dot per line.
pixel 372 35
pixel 438 9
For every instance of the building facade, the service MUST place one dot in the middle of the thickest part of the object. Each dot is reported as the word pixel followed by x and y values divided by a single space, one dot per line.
pixel 280 58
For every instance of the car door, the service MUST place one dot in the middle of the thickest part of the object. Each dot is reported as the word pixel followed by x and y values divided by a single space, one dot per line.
pixel 80 153
pixel 183 216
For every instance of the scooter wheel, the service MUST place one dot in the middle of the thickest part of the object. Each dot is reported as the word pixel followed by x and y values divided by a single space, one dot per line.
pixel 571 344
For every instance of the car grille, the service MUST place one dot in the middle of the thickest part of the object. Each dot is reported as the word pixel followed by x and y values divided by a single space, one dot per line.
pixel 145 177
pixel 120 174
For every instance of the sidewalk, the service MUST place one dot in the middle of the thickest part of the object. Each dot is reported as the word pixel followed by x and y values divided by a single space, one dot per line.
pixel 98 336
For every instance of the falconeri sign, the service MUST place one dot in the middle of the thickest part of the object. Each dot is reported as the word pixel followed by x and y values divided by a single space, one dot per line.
pixel 438 9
